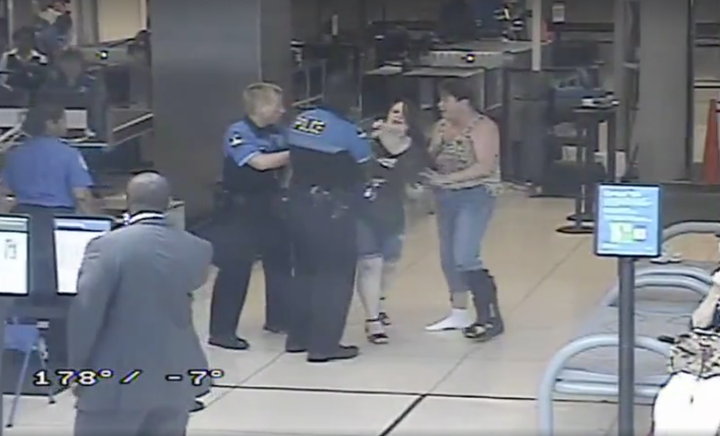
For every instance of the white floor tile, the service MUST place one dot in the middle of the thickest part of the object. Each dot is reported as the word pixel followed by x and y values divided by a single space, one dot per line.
pixel 301 413
pixel 474 416
pixel 548 285
pixel 377 374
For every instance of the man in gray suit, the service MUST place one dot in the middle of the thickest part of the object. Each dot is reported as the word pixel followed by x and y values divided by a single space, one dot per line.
pixel 133 313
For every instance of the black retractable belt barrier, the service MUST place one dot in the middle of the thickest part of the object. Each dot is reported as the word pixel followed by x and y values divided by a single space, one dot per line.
pixel 589 120
pixel 582 218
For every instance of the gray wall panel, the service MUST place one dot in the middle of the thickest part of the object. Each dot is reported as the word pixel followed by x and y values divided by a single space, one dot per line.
pixel 204 54
pixel 275 36
pixel 664 94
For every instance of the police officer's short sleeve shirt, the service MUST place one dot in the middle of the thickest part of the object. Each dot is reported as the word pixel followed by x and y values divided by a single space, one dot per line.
pixel 78 171
pixel 243 141
pixel 44 171
pixel 326 132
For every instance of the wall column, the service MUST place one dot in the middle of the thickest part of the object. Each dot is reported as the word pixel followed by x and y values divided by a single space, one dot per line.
pixel 665 89
pixel 204 54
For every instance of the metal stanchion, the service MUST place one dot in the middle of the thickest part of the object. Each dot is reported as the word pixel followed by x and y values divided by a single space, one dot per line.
pixel 585 163
pixel 589 120
pixel 628 227
pixel 626 352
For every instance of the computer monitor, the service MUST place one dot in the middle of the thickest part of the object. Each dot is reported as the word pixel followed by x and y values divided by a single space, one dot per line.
pixel 14 258
pixel 72 235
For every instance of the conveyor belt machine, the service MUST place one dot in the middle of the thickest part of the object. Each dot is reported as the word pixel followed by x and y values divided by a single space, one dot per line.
pixel 480 61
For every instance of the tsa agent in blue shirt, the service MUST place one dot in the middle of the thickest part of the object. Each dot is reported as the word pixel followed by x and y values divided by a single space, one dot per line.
pixel 46 177
pixel 253 168
pixel 327 152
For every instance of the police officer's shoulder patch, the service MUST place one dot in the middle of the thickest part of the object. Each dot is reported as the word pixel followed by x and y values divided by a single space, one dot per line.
pixel 236 140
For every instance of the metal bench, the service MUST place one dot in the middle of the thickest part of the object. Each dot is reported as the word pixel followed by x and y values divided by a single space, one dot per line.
pixel 668 290
pixel 662 290
pixel 587 366
pixel 683 229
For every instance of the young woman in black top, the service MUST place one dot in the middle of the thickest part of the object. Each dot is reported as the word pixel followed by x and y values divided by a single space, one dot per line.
pixel 399 151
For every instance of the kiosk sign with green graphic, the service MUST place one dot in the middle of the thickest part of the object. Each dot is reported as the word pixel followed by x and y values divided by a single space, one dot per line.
pixel 628 226
pixel 628 221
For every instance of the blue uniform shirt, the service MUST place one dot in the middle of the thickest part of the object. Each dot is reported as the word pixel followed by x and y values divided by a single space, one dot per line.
pixel 244 140
pixel 325 131
pixel 43 171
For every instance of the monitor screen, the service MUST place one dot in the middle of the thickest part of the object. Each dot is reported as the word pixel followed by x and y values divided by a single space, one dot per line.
pixel 72 235
pixel 628 221
pixel 14 260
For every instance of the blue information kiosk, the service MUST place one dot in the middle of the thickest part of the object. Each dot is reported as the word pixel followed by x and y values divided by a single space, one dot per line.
pixel 628 226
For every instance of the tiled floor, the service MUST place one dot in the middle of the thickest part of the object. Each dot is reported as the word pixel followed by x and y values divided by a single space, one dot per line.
pixel 420 382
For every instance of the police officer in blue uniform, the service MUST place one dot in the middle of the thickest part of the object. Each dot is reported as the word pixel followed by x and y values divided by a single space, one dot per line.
pixel 255 157
pixel 327 152
pixel 47 177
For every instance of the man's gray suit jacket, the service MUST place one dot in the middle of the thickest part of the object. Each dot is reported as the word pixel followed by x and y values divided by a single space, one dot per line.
pixel 133 312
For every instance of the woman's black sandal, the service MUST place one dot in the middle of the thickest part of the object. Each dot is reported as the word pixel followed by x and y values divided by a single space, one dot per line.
pixel 375 335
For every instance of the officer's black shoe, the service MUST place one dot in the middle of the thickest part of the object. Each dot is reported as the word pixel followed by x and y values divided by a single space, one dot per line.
pixel 344 352
pixel 274 329
pixel 230 343
pixel 294 347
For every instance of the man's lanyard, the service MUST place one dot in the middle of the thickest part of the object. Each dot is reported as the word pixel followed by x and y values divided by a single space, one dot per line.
pixel 129 220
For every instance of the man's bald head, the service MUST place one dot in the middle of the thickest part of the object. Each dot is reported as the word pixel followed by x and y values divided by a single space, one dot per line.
pixel 148 192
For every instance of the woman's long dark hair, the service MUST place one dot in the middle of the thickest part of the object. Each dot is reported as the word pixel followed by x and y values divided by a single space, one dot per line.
pixel 418 138
pixel 37 119
pixel 411 113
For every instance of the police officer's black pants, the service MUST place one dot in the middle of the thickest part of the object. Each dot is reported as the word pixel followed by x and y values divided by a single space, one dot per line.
pixel 254 229
pixel 44 302
pixel 325 256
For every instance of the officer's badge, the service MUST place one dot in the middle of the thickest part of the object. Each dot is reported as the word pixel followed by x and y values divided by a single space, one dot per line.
pixel 236 141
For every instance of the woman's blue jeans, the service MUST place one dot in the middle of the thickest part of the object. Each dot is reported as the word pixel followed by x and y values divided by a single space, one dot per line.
pixel 463 216
pixel 374 242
